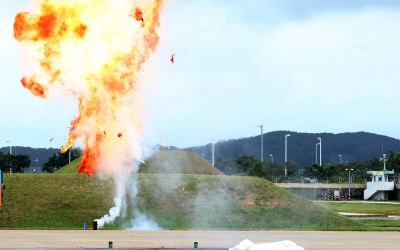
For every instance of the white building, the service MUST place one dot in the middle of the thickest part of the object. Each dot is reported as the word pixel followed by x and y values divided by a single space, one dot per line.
pixel 378 188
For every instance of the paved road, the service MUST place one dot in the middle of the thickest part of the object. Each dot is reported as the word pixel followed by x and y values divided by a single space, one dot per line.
pixel 33 239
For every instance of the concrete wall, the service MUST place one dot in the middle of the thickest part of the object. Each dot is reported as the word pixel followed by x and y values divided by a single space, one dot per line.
pixel 316 191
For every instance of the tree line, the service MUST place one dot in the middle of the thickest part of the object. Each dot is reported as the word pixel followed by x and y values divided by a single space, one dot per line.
pixel 301 147
pixel 19 163
pixel 337 173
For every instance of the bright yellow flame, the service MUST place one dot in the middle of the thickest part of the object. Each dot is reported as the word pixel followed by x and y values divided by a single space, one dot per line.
pixel 94 50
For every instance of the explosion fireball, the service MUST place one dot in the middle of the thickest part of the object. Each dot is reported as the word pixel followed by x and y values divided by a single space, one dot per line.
pixel 92 50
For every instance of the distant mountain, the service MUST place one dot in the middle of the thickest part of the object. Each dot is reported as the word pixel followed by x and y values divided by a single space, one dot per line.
pixel 301 147
pixel 42 154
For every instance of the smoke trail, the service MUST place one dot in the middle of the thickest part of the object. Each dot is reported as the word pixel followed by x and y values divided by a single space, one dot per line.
pixel 126 186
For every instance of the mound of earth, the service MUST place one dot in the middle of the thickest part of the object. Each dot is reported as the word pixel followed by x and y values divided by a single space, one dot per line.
pixel 180 161
pixel 174 161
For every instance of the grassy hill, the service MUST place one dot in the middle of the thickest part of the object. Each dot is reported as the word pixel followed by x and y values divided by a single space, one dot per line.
pixel 48 201
pixel 177 162
pixel 70 168
pixel 164 162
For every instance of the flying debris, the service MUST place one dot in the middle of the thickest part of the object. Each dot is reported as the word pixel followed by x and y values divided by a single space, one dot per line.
pixel 162 142
pixel 119 134
pixel 139 15
pixel 103 131
pixel 172 58
pixel 51 139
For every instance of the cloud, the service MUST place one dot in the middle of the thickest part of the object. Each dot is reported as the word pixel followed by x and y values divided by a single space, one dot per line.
pixel 329 66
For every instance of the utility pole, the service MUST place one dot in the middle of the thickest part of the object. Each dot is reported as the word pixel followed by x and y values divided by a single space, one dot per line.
pixel 286 136
pixel 320 150
pixel 10 155
pixel 262 142
pixel 212 153
pixel 384 159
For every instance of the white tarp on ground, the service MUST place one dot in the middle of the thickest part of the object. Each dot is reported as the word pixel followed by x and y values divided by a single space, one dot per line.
pixel 281 245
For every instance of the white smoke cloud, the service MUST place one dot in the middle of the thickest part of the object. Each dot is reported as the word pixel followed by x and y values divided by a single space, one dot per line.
pixel 141 222
pixel 126 186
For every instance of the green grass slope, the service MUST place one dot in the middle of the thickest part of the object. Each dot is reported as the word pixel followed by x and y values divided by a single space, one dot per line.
pixel 164 162
pixel 45 201
pixel 70 168
pixel 177 162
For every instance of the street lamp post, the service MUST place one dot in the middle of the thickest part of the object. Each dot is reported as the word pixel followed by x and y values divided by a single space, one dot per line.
pixel 286 136
pixel 384 159
pixel 212 153
pixel 349 169
pixel 262 148
pixel 316 152
pixel 10 146
pixel 340 159
pixel 272 158
pixel 320 150
pixel 33 165
pixel 10 154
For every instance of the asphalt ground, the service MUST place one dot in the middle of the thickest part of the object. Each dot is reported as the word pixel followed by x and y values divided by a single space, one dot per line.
pixel 130 239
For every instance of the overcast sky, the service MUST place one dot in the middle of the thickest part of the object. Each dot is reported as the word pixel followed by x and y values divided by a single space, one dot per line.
pixel 304 66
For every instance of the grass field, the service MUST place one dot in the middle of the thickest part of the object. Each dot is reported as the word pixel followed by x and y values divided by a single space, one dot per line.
pixel 56 201
pixel 369 208
pixel 201 198
pixel 363 207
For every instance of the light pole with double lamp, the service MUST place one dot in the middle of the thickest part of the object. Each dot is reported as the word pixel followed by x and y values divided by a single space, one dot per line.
pixel 349 169
pixel 33 165
pixel 286 136
pixel 10 146
pixel 262 141
pixel 10 154
pixel 320 150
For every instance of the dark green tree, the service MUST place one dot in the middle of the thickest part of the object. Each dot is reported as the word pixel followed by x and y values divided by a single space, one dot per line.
pixel 17 162
pixel 245 162
pixel 3 162
pixel 393 162
pixel 59 160
pixel 258 169
pixel 274 170
pixel 292 168
pixel 227 166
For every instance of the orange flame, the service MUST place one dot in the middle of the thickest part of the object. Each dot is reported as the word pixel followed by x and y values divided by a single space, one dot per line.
pixel 138 15
pixel 92 50
pixel 162 142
